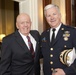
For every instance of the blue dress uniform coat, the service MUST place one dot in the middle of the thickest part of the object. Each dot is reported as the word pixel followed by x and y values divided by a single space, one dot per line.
pixel 16 59
pixel 51 52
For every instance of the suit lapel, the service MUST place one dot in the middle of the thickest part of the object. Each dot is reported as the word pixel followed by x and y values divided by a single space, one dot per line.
pixel 20 41
pixel 48 37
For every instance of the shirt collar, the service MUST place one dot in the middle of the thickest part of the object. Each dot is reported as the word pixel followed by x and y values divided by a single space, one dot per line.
pixel 57 28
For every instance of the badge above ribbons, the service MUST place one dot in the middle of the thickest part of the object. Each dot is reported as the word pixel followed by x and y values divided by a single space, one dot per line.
pixel 68 56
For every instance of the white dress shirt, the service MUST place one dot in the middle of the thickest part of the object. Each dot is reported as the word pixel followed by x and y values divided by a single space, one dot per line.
pixel 56 31
pixel 33 41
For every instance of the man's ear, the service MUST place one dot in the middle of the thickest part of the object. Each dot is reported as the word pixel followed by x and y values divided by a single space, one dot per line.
pixel 17 25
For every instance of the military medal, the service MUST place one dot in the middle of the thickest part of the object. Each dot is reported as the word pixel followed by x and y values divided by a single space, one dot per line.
pixel 66 38
pixel 66 35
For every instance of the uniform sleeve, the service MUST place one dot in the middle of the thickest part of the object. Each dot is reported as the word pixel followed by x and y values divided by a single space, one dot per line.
pixel 72 68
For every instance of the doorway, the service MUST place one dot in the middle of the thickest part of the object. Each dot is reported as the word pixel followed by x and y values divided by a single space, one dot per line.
pixel 8 12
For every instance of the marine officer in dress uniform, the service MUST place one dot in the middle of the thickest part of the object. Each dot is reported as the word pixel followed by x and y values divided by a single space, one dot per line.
pixel 57 42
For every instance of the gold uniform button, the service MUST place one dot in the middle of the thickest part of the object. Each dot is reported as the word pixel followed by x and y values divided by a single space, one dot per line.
pixel 65 46
pixel 51 62
pixel 52 69
pixel 51 49
pixel 62 29
pixel 51 55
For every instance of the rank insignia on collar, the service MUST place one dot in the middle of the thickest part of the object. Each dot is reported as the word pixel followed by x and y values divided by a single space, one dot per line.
pixel 62 28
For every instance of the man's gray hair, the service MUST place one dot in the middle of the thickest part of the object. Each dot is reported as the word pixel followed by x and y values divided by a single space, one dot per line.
pixel 50 6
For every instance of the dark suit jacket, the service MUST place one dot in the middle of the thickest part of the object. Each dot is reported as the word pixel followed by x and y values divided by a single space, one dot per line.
pixel 16 59
pixel 51 52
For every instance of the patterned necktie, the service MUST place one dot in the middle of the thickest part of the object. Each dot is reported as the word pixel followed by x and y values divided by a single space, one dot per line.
pixel 53 35
pixel 31 47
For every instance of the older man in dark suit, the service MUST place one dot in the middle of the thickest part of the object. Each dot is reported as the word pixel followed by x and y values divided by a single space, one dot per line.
pixel 57 41
pixel 19 54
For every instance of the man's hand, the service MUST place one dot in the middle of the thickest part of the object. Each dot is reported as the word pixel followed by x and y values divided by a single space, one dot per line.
pixel 58 71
